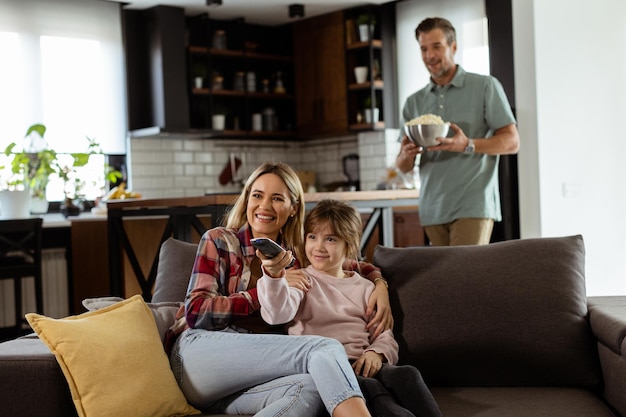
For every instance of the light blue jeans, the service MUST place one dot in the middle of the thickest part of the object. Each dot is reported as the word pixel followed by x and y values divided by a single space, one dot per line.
pixel 262 374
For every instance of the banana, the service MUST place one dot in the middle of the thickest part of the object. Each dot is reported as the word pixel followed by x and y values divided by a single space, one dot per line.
pixel 120 192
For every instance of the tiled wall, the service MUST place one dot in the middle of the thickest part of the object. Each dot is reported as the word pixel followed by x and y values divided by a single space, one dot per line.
pixel 170 167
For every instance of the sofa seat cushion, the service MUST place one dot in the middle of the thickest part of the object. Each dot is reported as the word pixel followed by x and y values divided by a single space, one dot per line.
pixel 511 313
pixel 31 381
pixel 519 402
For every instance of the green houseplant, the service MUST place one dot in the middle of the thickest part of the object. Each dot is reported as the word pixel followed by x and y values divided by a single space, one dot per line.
pixel 365 22
pixel 32 167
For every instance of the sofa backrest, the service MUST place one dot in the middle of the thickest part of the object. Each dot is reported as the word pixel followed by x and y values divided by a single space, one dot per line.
pixel 510 313
pixel 176 259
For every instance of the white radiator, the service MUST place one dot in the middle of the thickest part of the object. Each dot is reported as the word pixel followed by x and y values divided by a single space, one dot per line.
pixel 55 292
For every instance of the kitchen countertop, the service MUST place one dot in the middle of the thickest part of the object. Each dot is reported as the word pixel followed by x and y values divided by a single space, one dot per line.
pixel 229 198
pixel 360 199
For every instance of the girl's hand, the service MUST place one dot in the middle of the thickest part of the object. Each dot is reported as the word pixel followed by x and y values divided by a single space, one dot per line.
pixel 275 267
pixel 297 278
pixel 368 364
pixel 379 302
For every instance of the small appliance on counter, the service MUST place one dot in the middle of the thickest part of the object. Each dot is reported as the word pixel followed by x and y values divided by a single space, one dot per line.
pixel 351 169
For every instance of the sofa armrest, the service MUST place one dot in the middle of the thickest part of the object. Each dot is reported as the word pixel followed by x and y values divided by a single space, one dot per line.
pixel 607 316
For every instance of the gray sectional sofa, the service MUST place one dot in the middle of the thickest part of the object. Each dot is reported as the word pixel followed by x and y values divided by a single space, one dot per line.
pixel 503 330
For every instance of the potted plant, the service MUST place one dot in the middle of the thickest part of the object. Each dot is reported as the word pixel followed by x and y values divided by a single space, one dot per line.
pixel 366 23
pixel 199 73
pixel 370 109
pixel 32 167
pixel 218 117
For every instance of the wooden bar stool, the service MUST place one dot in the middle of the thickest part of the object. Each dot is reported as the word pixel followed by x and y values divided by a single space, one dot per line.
pixel 20 257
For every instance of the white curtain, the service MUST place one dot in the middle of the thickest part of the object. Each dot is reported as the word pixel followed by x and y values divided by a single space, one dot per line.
pixel 62 65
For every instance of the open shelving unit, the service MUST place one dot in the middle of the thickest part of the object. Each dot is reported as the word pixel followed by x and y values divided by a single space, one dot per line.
pixel 371 103
pixel 226 89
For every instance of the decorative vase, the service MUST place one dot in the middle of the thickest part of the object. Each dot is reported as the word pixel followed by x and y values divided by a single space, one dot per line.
pixel 14 204
pixel 198 81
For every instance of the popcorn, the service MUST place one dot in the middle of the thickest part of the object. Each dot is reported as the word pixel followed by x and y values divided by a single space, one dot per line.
pixel 426 119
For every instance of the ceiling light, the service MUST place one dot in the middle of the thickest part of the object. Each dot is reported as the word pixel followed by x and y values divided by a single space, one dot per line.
pixel 296 10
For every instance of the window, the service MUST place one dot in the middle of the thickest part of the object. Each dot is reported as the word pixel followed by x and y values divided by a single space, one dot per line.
pixel 63 67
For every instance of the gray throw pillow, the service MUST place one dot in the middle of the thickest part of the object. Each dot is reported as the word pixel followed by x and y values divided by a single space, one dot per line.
pixel 164 313
pixel 508 313
pixel 176 259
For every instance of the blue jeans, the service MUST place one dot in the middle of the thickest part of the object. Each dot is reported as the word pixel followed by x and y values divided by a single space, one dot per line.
pixel 262 374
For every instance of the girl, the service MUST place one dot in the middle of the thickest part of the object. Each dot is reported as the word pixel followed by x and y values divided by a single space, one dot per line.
pixel 332 306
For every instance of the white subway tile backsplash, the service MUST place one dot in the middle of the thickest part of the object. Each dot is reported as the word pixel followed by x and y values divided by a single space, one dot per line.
pixel 194 170
pixel 203 157
pixel 192 145
pixel 169 170
pixel 184 182
pixel 183 157
pixel 172 145
pixel 185 167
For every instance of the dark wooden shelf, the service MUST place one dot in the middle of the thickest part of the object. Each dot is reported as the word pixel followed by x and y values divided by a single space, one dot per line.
pixel 378 85
pixel 273 96
pixel 235 53
pixel 274 133
pixel 367 126
pixel 269 57
pixel 233 93
pixel 376 43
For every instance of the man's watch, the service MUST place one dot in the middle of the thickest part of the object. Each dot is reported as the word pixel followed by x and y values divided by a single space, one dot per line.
pixel 470 148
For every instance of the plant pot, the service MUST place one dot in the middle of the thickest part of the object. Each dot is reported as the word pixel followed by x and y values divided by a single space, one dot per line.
pixel 360 74
pixel 198 81
pixel 38 205
pixel 365 32
pixel 69 208
pixel 371 115
pixel 14 204
pixel 218 121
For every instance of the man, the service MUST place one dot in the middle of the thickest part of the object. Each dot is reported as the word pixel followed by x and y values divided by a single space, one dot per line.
pixel 459 198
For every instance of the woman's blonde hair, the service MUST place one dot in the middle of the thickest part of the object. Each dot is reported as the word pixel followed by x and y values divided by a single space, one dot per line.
pixel 292 232
pixel 342 219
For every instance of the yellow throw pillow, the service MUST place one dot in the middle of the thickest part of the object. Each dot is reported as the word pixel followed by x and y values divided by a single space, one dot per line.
pixel 114 361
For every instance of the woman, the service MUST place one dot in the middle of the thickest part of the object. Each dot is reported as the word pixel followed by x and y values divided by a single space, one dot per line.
pixel 224 356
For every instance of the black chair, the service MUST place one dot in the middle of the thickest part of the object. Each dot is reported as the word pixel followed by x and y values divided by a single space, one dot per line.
pixel 20 257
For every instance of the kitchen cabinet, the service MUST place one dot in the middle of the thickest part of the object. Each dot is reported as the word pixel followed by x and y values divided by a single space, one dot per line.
pixel 407 231
pixel 319 61
pixel 370 45
pixel 244 72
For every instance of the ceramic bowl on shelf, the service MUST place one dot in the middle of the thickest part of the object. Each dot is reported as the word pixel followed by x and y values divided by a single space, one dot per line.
pixel 426 135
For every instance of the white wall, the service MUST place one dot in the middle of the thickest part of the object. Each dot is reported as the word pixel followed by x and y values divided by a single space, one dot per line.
pixel 570 86
pixel 570 73
pixel 412 75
